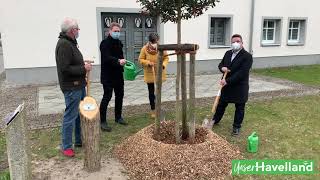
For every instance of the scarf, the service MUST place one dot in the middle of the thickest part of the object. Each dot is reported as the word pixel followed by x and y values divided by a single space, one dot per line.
pixel 151 49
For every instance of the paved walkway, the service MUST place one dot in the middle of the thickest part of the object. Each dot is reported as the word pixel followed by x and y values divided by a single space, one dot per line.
pixel 51 101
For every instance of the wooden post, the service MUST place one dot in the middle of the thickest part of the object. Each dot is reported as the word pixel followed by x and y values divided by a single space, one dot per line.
pixel 178 47
pixel 90 127
pixel 158 93
pixel 185 133
pixel 18 147
pixel 192 95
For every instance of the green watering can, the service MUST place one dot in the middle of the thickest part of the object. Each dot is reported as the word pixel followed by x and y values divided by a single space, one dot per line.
pixel 253 142
pixel 130 71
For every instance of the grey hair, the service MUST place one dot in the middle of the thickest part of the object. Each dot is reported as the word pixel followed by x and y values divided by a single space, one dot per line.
pixel 67 24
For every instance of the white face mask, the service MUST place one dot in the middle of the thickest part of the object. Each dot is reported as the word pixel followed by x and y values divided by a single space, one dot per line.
pixel 76 36
pixel 236 46
pixel 154 45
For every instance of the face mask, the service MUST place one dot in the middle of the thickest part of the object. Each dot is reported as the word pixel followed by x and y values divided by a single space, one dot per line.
pixel 77 35
pixel 115 35
pixel 235 46
pixel 154 45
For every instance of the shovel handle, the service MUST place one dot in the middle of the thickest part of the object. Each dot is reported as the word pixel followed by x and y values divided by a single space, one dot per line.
pixel 88 77
pixel 88 61
pixel 88 83
pixel 216 100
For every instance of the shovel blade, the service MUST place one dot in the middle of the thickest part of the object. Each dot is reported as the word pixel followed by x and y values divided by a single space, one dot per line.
pixel 207 123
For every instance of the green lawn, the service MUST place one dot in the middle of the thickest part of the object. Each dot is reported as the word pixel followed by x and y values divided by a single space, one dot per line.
pixel 309 75
pixel 288 128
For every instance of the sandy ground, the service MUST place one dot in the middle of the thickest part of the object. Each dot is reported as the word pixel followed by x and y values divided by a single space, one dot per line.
pixel 72 169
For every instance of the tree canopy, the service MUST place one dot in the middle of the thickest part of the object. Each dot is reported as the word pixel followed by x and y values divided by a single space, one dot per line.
pixel 168 9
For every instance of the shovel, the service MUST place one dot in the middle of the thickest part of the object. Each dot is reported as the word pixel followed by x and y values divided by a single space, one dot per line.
pixel 88 105
pixel 207 123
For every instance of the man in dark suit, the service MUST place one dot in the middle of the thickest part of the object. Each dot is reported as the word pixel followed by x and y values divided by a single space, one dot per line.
pixel 112 62
pixel 236 85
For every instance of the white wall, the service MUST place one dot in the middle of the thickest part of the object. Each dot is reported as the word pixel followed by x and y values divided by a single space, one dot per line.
pixel 286 9
pixel 1 61
pixel 197 30
pixel 30 30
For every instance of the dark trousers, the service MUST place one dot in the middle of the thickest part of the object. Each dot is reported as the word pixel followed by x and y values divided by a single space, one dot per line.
pixel 107 95
pixel 152 97
pixel 238 115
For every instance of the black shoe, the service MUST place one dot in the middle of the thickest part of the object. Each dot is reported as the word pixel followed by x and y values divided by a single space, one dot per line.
pixel 105 127
pixel 235 132
pixel 121 121
pixel 78 145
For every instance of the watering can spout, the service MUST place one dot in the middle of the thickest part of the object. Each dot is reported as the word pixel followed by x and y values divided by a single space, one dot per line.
pixel 130 71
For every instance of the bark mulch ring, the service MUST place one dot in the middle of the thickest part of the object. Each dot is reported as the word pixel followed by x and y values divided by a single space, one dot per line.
pixel 208 157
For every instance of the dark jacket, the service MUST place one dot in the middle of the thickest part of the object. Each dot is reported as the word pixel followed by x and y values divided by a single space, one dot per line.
pixel 237 88
pixel 70 65
pixel 111 52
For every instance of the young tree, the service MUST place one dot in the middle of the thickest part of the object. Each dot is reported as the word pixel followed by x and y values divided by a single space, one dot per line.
pixel 175 11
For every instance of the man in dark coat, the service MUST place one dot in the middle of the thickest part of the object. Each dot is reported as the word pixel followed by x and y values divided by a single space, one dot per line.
pixel 236 85
pixel 71 73
pixel 112 62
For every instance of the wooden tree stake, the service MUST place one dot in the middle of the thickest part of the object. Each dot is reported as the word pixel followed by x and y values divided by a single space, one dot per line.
pixel 192 95
pixel 158 93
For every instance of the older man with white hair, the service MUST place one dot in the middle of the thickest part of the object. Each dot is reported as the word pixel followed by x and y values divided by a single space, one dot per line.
pixel 71 73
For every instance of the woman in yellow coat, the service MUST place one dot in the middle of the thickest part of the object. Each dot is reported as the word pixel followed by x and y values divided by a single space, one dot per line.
pixel 148 59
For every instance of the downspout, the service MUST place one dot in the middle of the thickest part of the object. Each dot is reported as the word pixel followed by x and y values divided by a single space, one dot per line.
pixel 251 26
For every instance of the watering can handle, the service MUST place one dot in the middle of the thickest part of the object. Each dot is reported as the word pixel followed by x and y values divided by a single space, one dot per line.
pixel 129 62
pixel 253 134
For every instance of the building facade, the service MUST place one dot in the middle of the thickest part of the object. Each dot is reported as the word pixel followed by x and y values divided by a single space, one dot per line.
pixel 277 33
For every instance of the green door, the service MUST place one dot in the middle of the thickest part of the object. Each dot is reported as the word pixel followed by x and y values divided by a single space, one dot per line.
pixel 135 29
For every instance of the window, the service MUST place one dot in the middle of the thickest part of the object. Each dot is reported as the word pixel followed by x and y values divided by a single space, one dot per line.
pixel 220 32
pixel 271 32
pixel 296 32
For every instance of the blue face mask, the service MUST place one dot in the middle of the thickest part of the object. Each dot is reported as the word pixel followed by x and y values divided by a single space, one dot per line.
pixel 115 35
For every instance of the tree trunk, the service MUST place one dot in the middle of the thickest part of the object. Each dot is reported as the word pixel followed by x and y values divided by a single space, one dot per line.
pixel 178 103
pixel 185 133
pixel 192 96
pixel 158 93
pixel 90 127
pixel 18 146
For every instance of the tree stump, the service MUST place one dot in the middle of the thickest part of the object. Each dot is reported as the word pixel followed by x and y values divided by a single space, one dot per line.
pixel 18 148
pixel 90 127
